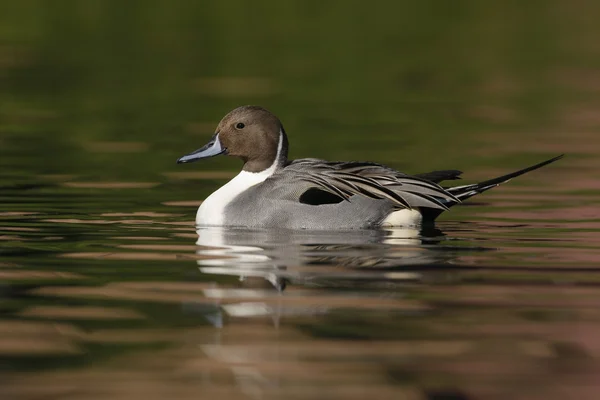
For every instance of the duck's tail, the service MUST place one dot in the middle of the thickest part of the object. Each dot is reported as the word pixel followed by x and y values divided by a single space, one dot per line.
pixel 466 191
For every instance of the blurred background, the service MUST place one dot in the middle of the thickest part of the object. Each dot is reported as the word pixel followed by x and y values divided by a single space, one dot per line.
pixel 425 85
pixel 101 293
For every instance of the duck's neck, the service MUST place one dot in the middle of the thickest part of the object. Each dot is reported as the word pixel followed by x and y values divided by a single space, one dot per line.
pixel 273 160
pixel 211 211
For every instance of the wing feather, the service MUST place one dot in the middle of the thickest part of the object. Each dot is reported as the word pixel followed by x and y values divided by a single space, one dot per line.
pixel 346 179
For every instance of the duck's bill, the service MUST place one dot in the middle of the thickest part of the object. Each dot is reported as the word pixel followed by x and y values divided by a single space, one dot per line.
pixel 211 149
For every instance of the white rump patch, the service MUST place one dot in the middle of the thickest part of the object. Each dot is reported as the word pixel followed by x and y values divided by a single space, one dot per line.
pixel 403 218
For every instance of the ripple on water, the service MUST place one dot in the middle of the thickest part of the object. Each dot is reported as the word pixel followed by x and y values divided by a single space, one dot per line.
pixel 135 301
pixel 110 185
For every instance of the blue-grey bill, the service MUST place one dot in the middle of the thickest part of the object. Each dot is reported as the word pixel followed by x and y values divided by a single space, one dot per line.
pixel 211 149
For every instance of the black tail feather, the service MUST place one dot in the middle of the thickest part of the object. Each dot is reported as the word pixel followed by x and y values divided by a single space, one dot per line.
pixel 466 191
pixel 439 176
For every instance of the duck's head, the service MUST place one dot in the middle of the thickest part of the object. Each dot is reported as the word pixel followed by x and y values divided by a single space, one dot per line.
pixel 251 133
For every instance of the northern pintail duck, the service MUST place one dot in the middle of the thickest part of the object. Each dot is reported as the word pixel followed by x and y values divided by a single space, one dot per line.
pixel 274 192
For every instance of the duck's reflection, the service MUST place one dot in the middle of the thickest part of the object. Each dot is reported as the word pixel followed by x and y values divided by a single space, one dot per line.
pixel 319 258
pixel 368 265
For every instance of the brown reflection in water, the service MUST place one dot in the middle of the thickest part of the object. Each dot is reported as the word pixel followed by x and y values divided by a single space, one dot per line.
pixel 128 336
pixel 79 312
pixel 163 247
pixel 128 222
pixel 15 238
pixel 254 360
pixel 544 274
pixel 111 185
pixel 80 221
pixel 19 275
pixel 11 238
pixel 140 238
pixel 327 349
pixel 585 117
pixel 510 204
pixel 589 163
pixel 522 296
pixel 19 229
pixel 36 338
pixel 586 238
pixel 58 177
pixel 243 299
pixel 581 79
pixel 186 235
pixel 189 383
pixel 532 198
pixel 592 225
pixel 200 175
pixel 116 147
pixel 16 213
pixel 493 113
pixel 190 227
pixel 544 258
pixel 148 256
pixel 483 343
pixel 9 265
pixel 154 293
pixel 99 221
pixel 140 214
pixel 581 135
pixel 579 182
pixel 186 203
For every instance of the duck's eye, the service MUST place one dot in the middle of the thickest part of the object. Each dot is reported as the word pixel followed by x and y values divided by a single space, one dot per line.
pixel 240 125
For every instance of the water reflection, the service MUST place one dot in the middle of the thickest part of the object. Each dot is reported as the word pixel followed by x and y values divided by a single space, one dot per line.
pixel 323 258
pixel 385 312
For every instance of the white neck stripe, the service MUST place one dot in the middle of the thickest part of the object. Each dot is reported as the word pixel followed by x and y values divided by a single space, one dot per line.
pixel 271 170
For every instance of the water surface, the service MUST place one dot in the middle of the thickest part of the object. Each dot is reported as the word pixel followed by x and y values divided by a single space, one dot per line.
pixel 107 290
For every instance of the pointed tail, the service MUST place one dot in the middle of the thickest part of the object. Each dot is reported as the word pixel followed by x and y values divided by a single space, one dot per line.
pixel 466 191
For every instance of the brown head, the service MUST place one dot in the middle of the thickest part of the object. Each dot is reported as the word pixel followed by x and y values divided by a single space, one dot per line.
pixel 251 133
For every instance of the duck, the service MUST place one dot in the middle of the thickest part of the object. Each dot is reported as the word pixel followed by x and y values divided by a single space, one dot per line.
pixel 272 191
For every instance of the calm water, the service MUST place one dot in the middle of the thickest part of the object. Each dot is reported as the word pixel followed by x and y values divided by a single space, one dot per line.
pixel 107 291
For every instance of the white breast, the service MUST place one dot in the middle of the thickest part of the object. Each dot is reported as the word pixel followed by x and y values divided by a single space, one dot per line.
pixel 211 211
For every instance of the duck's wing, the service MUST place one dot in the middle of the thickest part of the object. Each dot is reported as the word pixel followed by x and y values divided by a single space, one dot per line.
pixel 346 179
